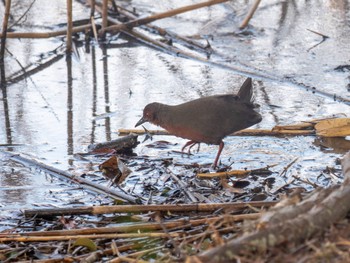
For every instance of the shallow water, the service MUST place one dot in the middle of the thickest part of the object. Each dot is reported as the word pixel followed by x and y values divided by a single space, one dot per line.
pixel 63 108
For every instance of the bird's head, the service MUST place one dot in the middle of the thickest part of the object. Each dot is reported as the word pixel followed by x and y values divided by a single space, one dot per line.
pixel 150 114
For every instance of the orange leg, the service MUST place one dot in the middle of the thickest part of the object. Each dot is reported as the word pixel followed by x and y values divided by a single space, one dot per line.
pixel 221 146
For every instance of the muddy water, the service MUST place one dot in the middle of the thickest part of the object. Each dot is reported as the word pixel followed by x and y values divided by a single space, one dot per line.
pixel 63 108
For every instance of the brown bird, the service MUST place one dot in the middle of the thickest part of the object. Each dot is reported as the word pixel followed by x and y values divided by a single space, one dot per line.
pixel 207 119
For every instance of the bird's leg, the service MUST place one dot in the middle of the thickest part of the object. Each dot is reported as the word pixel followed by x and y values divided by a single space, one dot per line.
pixel 221 146
pixel 189 150
pixel 198 147
pixel 189 143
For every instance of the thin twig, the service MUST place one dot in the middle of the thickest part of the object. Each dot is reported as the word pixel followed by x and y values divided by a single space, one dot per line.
pixel 284 172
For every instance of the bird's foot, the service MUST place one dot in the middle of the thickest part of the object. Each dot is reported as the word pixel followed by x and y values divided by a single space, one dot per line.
pixel 190 144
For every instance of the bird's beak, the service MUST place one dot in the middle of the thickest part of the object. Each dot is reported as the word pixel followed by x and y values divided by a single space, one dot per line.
pixel 142 120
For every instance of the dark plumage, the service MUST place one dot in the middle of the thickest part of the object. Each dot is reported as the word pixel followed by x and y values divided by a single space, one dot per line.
pixel 207 119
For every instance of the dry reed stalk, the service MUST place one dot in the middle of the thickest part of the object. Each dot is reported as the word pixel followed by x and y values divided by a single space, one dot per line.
pixel 69 25
pixel 16 238
pixel 146 20
pixel 250 14
pixel 245 132
pixel 4 32
pixel 46 34
pixel 236 173
pixel 140 226
pixel 195 208
pixel 104 18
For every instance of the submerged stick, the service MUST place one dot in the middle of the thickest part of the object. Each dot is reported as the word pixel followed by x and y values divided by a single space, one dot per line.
pixel 81 181
pixel 96 210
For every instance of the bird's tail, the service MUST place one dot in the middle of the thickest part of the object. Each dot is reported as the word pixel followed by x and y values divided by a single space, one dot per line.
pixel 245 93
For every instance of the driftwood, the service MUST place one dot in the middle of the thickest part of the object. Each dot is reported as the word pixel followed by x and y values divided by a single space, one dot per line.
pixel 126 142
pixel 87 184
pixel 289 222
pixel 95 210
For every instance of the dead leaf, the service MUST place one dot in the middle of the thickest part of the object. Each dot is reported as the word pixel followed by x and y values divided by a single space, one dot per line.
pixel 115 170
pixel 225 184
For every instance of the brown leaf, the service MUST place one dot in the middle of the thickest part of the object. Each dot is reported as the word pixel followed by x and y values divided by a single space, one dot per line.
pixel 115 170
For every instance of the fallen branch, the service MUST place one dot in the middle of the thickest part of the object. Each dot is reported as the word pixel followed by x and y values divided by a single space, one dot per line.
pixel 96 210
pixel 291 223
pixel 126 142
pixel 81 181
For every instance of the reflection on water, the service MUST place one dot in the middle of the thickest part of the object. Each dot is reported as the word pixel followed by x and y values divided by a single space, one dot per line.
pixel 70 103
pixel 333 145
